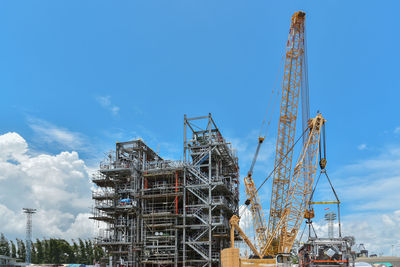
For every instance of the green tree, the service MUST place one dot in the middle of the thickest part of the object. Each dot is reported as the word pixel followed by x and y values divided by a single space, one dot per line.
pixel 33 253
pixel 67 251
pixel 13 250
pixel 46 251
pixel 98 253
pixel 89 250
pixel 21 251
pixel 54 251
pixel 75 250
pixel 4 246
pixel 82 252
pixel 39 251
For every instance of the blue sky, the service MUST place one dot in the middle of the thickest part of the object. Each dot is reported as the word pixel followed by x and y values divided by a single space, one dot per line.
pixel 81 75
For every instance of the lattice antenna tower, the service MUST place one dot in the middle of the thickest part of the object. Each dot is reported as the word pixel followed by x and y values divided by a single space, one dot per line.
pixel 28 212
pixel 330 217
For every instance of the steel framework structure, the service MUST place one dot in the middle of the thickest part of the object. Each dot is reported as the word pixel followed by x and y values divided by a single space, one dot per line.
pixel 28 240
pixel 164 212
pixel 211 192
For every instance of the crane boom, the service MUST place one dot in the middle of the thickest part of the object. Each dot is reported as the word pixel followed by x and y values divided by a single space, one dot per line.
pixel 260 141
pixel 290 191
pixel 300 190
pixel 234 223
pixel 281 240
pixel 253 201
pixel 287 120
pixel 301 186
pixel 257 213
pixel 287 125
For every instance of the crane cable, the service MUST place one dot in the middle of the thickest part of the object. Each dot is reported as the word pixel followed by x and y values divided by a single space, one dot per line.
pixel 261 137
pixel 305 95
pixel 269 102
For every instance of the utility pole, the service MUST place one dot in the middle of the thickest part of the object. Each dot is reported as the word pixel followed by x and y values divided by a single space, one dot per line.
pixel 28 213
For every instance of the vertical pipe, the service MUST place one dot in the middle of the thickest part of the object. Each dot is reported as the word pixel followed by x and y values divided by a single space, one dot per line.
pixel 176 192
pixel 176 244
pixel 184 194
pixel 209 191
pixel 142 232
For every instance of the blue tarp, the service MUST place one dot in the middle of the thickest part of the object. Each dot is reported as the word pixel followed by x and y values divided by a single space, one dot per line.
pixel 388 264
pixel 125 200
pixel 203 159
pixel 75 265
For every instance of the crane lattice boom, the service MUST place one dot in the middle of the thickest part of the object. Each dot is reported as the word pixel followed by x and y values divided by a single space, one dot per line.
pixel 290 191
pixel 287 120
pixel 256 211
pixel 300 191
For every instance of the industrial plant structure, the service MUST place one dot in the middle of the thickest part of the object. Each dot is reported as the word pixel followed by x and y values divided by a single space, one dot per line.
pixel 168 213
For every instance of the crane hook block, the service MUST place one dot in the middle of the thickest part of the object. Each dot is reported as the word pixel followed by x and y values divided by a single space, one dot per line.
pixel 309 214
pixel 322 163
pixel 247 202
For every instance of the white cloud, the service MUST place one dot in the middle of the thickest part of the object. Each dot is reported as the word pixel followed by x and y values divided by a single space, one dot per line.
pixel 397 130
pixel 369 191
pixel 246 222
pixel 247 225
pixel 371 184
pixel 12 147
pixel 51 134
pixel 11 221
pixel 362 147
pixel 105 102
pixel 57 186
pixel 376 231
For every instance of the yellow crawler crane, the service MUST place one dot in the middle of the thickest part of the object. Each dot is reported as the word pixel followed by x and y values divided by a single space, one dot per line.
pixel 299 193
pixel 294 208
pixel 286 133
pixel 289 196
pixel 253 202
pixel 294 62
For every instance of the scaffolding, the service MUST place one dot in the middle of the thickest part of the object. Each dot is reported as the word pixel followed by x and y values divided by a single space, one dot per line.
pixel 160 212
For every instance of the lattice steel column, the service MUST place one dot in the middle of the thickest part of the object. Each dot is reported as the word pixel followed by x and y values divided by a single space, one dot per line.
pixel 330 217
pixel 28 213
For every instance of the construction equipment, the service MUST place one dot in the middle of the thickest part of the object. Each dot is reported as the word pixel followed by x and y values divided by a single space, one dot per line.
pixel 287 122
pixel 294 210
pixel 234 223
pixel 253 201
pixel 286 132
pixel 290 191
pixel 333 250
pixel 300 190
